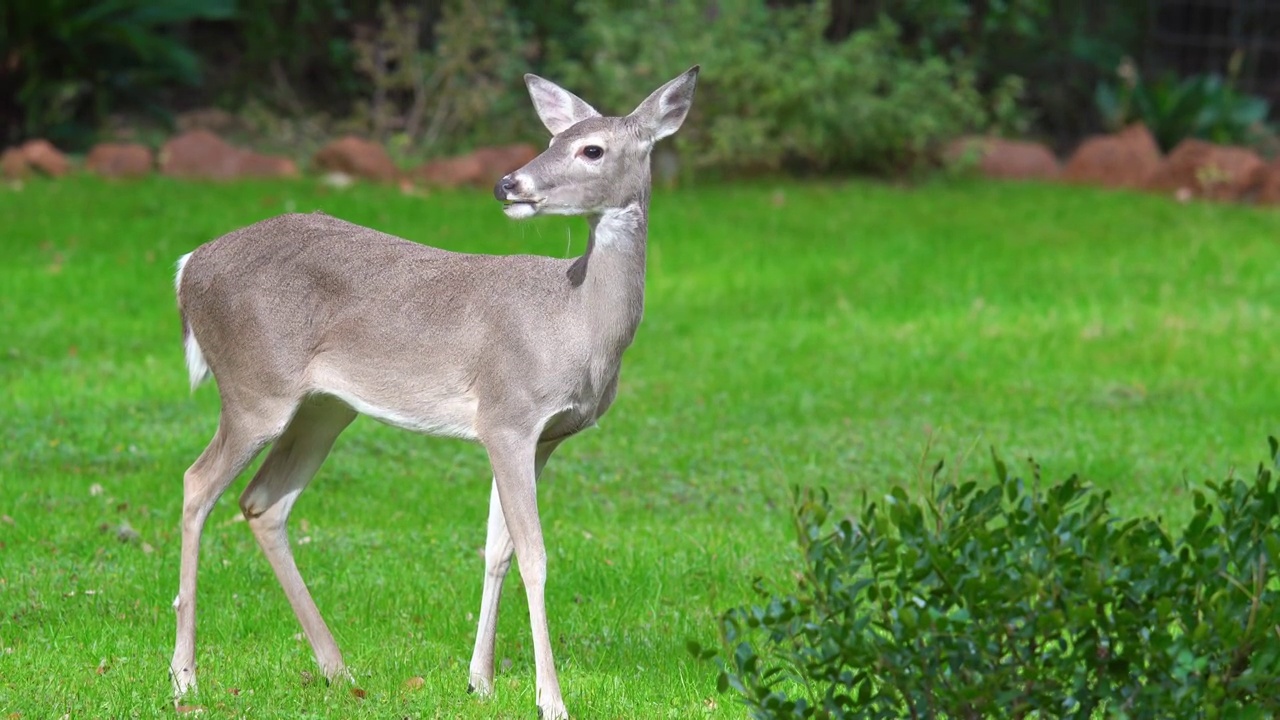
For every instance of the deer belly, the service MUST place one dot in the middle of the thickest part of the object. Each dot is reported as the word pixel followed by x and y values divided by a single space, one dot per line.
pixel 442 414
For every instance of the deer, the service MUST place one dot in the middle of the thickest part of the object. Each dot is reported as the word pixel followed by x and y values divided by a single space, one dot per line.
pixel 306 321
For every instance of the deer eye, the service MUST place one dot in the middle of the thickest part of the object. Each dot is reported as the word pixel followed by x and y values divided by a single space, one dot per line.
pixel 592 152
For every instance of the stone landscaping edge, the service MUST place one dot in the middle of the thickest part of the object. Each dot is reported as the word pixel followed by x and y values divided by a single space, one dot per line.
pixel 1128 159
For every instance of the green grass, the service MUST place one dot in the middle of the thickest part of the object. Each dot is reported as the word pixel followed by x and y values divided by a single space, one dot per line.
pixel 812 334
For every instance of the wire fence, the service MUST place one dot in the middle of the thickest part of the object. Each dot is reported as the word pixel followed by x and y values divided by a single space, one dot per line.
pixel 1210 36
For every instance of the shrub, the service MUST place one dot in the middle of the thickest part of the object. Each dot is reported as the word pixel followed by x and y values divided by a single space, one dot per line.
pixel 288 57
pixel 465 88
pixel 774 91
pixel 1202 106
pixel 1060 48
pixel 1017 601
pixel 68 63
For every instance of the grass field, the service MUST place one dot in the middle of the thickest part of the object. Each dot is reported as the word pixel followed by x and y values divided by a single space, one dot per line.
pixel 812 334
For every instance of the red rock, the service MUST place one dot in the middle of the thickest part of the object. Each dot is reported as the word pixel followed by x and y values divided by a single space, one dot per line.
pixel 451 172
pixel 1125 159
pixel 212 119
pixel 13 164
pixel 120 160
pixel 199 155
pixel 251 164
pixel 202 155
pixel 500 160
pixel 481 168
pixel 1004 159
pixel 1199 169
pixel 43 156
pixel 1269 188
pixel 357 157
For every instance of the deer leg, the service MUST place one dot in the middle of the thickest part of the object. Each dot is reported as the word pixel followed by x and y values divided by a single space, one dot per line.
pixel 266 502
pixel 513 457
pixel 498 549
pixel 233 447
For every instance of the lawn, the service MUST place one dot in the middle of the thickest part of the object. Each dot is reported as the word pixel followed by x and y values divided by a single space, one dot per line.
pixel 841 334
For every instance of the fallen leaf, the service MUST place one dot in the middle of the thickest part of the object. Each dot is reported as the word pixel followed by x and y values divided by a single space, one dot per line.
pixel 189 708
pixel 14 716
pixel 6 520
pixel 103 668
pixel 415 683
pixel 235 691
pixel 147 549
pixel 307 677
pixel 358 692
pixel 95 489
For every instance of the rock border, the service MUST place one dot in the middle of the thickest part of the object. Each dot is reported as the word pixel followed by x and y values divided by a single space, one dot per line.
pixel 1128 159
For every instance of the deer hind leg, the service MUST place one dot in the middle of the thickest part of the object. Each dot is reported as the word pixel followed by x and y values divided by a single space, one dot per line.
pixel 238 440
pixel 266 502
pixel 498 550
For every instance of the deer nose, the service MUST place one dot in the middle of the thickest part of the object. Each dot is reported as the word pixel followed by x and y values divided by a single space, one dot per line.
pixel 503 189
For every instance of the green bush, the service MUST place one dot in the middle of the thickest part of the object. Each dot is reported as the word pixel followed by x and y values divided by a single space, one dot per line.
pixel 1019 601
pixel 1202 106
pixel 464 89
pixel 290 56
pixel 775 92
pixel 67 63
pixel 1060 49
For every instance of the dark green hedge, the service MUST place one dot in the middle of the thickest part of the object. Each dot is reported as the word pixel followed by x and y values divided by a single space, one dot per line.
pixel 1018 600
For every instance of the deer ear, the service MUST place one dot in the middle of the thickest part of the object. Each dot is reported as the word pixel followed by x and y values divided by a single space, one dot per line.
pixel 558 108
pixel 664 111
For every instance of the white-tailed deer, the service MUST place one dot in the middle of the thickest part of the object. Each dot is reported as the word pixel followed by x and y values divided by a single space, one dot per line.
pixel 306 321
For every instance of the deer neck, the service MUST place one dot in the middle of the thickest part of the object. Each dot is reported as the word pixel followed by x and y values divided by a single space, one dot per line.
pixel 610 276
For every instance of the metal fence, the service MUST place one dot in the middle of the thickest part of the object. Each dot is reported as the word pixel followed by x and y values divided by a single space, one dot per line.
pixel 1207 36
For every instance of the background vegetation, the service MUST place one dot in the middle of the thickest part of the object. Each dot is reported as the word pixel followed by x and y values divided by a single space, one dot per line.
pixel 806 85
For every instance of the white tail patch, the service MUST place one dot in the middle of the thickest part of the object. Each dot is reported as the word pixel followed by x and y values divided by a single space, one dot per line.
pixel 197 368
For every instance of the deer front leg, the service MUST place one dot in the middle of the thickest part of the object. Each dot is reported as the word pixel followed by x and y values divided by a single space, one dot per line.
pixel 514 459
pixel 498 549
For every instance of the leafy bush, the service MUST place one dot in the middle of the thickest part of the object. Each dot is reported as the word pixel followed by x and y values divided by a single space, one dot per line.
pixel 774 91
pixel 1202 106
pixel 1016 601
pixel 68 63
pixel 286 56
pixel 1060 48
pixel 466 86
